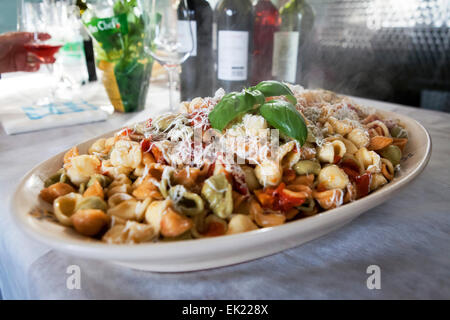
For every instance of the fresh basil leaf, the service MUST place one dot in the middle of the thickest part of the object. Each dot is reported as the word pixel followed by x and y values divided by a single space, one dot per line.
pixel 272 88
pixel 283 116
pixel 233 105
pixel 291 99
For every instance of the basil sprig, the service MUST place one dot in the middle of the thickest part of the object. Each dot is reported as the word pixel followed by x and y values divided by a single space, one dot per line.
pixel 279 113
pixel 283 116
pixel 233 105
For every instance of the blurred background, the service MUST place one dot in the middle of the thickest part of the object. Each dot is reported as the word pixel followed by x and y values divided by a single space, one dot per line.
pixel 391 50
pixel 8 15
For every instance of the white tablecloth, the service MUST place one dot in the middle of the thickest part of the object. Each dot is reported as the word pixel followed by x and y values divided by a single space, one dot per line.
pixel 408 237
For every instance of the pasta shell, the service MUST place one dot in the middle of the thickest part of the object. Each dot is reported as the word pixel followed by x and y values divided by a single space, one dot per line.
pixel 89 222
pixel 359 137
pixel 333 177
pixel 73 152
pixel 131 232
pixel 125 210
pixel 269 173
pixel 240 223
pixel 94 190
pixel 82 168
pixel 173 224
pixel 329 199
pixel 400 142
pixel 54 191
pixel 377 181
pixel 265 219
pixel 64 207
pixel 379 142
pixel 154 213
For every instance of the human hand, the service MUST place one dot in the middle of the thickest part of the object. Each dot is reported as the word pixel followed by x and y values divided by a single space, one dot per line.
pixel 14 57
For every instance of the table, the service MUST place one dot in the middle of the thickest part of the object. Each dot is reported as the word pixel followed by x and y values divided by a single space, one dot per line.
pixel 408 237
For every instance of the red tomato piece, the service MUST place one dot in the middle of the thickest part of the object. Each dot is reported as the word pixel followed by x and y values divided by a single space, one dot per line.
pixel 157 154
pixel 362 183
pixel 146 144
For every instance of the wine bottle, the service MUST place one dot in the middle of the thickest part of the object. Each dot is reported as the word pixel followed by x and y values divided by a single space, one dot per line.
pixel 196 78
pixel 291 42
pixel 234 24
pixel 88 46
pixel 266 23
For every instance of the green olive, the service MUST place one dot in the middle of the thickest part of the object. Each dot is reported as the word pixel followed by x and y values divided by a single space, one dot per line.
pixel 392 153
pixel 306 167
pixel 398 132
pixel 91 203
pixel 103 180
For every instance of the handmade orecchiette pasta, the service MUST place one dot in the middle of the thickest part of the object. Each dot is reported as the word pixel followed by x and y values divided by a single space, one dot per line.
pixel 81 168
pixel 359 137
pixel 126 154
pixel 240 223
pixel 377 181
pixel 333 177
pixel 131 232
pixel 186 202
pixel 64 207
pixel 218 192
pixel 98 147
pixel 341 127
pixel 269 173
pixel 370 160
pixel 330 150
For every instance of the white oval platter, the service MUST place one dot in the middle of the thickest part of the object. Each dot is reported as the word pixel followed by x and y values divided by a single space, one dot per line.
pixel 207 253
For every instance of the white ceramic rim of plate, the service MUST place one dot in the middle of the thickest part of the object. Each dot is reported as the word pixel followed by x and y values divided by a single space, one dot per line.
pixel 185 248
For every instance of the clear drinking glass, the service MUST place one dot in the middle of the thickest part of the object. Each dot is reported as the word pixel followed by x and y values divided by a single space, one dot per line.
pixel 45 16
pixel 165 42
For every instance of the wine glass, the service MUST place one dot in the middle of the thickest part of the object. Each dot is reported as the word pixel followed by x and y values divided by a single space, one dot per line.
pixel 50 17
pixel 168 41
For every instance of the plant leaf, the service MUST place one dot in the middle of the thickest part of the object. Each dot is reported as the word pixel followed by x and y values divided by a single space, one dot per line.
pixel 233 105
pixel 272 88
pixel 283 116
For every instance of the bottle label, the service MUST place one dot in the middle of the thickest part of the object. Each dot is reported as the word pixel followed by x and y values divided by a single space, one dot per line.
pixel 187 31
pixel 232 55
pixel 285 52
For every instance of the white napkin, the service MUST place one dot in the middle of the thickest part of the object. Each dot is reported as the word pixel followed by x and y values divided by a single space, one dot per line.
pixel 31 118
pixel 19 112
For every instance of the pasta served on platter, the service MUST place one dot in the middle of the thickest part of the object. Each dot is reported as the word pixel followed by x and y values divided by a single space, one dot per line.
pixel 226 164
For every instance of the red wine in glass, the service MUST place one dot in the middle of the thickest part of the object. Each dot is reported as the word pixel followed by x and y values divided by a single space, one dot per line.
pixel 43 51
